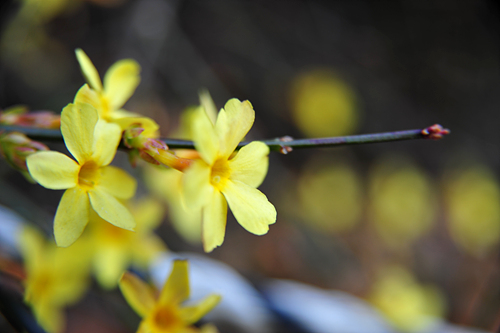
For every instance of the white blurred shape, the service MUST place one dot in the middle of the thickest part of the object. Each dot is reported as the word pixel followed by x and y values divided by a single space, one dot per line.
pixel 322 311
pixel 11 225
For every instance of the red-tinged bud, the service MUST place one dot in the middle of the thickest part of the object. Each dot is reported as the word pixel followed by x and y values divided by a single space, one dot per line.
pixel 19 116
pixel 146 157
pixel 155 144
pixel 435 132
pixel 16 147
pixel 134 132
pixel 283 148
pixel 132 136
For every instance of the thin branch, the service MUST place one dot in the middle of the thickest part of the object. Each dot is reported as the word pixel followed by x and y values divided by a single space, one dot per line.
pixel 283 145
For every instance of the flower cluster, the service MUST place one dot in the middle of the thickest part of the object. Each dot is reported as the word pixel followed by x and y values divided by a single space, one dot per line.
pixel 216 174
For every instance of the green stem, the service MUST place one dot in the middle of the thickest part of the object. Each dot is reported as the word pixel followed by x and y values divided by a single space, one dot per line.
pixel 284 145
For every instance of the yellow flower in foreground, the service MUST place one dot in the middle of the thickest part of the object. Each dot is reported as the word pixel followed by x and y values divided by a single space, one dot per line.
pixel 220 178
pixel 89 181
pixel 164 314
pixel 55 278
pixel 114 249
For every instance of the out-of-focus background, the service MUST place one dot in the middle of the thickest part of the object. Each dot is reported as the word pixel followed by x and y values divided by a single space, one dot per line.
pixel 409 225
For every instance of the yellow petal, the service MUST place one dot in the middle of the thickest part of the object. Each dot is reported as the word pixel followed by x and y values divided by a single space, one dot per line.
pixel 208 328
pixel 214 221
pixel 148 213
pixel 250 207
pixel 85 95
pixel 204 136
pixel 192 314
pixel 71 286
pixel 31 245
pixel 146 249
pixel 138 294
pixel 250 164
pixel 109 264
pixel 120 82
pixel 176 288
pixel 50 317
pixel 208 103
pixel 197 187
pixel 106 139
pixel 149 125
pixel 88 70
pixel 118 114
pixel 233 123
pixel 117 182
pixel 53 170
pixel 110 209
pixel 71 217
pixel 78 122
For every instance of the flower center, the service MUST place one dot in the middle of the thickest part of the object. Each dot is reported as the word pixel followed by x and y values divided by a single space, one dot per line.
pixel 220 173
pixel 166 318
pixel 105 110
pixel 89 175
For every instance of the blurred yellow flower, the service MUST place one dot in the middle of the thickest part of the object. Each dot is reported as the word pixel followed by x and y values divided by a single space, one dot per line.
pixel 164 313
pixel 331 196
pixel 472 198
pixel 120 82
pixel 219 178
pixel 114 249
pixel 55 278
pixel 402 202
pixel 167 182
pixel 323 105
pixel 408 305
pixel 89 181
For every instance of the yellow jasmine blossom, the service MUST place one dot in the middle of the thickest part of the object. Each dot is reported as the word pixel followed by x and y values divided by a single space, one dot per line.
pixel 55 278
pixel 114 249
pixel 164 313
pixel 220 177
pixel 89 181
pixel 120 82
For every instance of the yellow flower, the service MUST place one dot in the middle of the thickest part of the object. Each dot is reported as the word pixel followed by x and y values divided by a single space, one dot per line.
pixel 55 278
pixel 120 82
pixel 407 304
pixel 89 181
pixel 164 314
pixel 472 197
pixel 114 249
pixel 402 202
pixel 330 196
pixel 323 104
pixel 220 177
